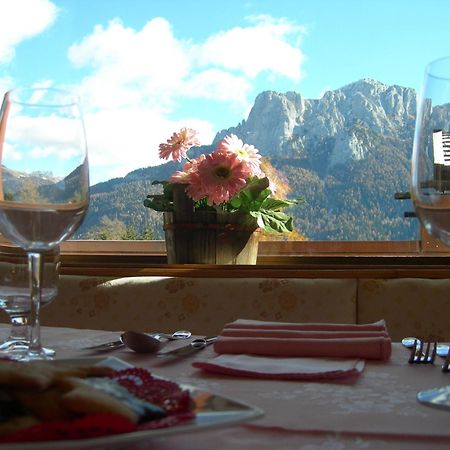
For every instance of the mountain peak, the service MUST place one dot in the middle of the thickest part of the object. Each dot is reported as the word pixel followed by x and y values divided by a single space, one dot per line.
pixel 285 124
pixel 366 86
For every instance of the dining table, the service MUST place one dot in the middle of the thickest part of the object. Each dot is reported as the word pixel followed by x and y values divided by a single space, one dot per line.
pixel 375 410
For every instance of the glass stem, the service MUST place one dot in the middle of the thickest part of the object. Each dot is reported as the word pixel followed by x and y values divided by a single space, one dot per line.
pixel 35 268
pixel 19 328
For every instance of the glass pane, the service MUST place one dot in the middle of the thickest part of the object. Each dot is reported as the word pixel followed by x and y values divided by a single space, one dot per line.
pixel 324 89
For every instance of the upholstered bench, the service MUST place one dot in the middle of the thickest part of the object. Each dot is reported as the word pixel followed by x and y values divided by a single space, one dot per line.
pixel 202 305
pixel 410 306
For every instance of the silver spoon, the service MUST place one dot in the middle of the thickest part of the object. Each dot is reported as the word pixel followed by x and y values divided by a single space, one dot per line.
pixel 441 349
pixel 140 340
pixel 149 343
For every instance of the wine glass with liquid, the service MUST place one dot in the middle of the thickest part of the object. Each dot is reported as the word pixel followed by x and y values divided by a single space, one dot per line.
pixel 44 181
pixel 430 186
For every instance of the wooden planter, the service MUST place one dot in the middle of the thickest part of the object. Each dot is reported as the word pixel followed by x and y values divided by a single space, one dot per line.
pixel 205 237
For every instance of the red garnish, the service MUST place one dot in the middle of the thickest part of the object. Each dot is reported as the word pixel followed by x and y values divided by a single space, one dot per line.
pixel 166 394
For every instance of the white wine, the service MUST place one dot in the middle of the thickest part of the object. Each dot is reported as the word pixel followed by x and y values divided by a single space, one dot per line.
pixel 436 220
pixel 16 300
pixel 40 227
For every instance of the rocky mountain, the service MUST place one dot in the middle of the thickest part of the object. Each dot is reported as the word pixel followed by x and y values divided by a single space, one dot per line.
pixel 43 185
pixel 345 154
pixel 288 125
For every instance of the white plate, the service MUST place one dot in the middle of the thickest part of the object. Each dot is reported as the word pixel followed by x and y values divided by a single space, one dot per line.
pixel 436 398
pixel 217 411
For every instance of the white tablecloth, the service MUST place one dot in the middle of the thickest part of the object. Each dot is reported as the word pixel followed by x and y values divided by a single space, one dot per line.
pixel 377 410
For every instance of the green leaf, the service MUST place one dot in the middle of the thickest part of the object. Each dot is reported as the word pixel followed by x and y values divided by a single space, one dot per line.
pixel 235 202
pixel 273 221
pixel 255 186
pixel 275 204
pixel 253 195
pixel 159 203
pixel 259 219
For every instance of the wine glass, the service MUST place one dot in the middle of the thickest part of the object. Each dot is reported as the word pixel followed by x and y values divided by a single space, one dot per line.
pixel 430 180
pixel 15 298
pixel 44 180
pixel 430 187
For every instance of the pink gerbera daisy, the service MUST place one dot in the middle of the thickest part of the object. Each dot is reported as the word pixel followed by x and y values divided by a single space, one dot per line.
pixel 178 144
pixel 247 153
pixel 189 169
pixel 220 176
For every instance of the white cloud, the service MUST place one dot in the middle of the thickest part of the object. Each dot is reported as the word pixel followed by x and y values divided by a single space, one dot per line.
pixel 33 139
pixel 132 66
pixel 139 79
pixel 5 85
pixel 265 46
pixel 21 20
pixel 120 141
pixel 217 84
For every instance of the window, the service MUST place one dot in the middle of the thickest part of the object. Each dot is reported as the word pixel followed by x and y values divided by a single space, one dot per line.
pixel 326 95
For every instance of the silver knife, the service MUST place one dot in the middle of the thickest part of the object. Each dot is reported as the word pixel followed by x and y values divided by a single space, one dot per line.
pixel 193 346
pixel 106 346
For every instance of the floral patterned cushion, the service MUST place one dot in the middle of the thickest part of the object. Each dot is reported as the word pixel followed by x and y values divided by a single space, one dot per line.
pixel 202 305
pixel 411 306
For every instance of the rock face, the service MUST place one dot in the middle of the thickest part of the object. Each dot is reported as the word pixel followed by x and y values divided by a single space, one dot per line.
pixel 344 121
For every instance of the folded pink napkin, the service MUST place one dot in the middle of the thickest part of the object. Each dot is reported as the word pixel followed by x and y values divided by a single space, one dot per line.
pixel 368 341
pixel 281 368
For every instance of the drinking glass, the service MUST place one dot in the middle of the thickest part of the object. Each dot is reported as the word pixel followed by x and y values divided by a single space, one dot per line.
pixel 430 187
pixel 15 298
pixel 44 180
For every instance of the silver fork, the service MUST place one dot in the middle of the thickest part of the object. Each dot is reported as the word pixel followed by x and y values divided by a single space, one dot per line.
pixel 446 365
pixel 418 356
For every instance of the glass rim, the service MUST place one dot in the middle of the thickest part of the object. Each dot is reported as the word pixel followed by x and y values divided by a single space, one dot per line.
pixel 71 98
pixel 434 64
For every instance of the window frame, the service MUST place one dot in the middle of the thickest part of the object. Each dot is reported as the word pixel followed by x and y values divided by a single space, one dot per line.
pixel 423 258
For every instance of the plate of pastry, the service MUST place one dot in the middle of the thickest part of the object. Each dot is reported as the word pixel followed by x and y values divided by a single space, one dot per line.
pixel 102 403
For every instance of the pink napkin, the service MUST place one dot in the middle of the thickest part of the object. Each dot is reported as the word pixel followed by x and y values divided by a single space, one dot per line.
pixel 254 337
pixel 278 368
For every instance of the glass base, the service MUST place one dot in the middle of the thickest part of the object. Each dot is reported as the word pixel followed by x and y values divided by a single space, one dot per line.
pixel 19 350
pixel 43 354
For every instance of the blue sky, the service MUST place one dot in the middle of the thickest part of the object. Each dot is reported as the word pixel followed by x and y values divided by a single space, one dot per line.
pixel 143 68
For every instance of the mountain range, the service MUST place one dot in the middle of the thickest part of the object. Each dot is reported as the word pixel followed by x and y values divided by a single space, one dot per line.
pixel 345 154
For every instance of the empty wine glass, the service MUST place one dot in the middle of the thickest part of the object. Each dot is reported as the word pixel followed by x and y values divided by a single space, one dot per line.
pixel 15 298
pixel 430 189
pixel 44 180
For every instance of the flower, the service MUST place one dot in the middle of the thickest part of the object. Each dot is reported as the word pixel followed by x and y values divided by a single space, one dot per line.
pixel 189 171
pixel 233 178
pixel 221 175
pixel 178 144
pixel 244 152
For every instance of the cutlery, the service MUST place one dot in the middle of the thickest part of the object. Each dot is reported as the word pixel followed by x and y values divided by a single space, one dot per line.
pixel 194 346
pixel 441 349
pixel 446 366
pixel 421 354
pixel 140 341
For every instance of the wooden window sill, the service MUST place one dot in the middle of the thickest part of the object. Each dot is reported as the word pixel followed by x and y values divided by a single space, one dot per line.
pixel 277 259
